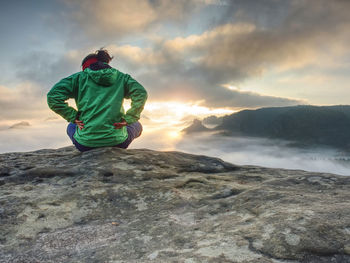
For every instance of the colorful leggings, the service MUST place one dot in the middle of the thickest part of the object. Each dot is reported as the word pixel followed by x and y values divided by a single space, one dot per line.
pixel 134 131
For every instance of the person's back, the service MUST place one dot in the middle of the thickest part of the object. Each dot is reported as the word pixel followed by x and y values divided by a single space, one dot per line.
pixel 99 91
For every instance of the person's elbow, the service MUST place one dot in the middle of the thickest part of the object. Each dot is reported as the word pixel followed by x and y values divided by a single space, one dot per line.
pixel 49 99
pixel 145 95
pixel 53 101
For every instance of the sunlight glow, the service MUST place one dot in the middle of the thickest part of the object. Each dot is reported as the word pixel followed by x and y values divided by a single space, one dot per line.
pixel 180 110
pixel 164 121
pixel 230 87
pixel 174 134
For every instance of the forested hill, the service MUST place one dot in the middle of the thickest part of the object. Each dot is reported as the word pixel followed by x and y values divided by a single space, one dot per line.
pixel 305 125
pixel 308 125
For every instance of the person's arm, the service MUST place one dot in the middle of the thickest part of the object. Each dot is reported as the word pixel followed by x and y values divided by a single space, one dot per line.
pixel 138 95
pixel 57 96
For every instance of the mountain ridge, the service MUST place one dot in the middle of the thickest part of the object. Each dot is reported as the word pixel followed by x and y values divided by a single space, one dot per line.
pixel 304 125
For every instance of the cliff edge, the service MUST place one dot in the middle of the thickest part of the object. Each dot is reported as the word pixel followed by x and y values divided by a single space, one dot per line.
pixel 115 205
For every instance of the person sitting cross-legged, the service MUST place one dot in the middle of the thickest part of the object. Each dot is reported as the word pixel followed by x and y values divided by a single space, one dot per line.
pixel 99 91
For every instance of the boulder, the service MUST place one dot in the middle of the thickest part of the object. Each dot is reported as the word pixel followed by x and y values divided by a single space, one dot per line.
pixel 116 205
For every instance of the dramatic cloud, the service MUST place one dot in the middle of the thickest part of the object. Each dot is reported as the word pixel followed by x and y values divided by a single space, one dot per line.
pixel 191 68
pixel 196 66
pixel 47 68
pixel 108 18
pixel 22 102
pixel 250 39
pixel 189 54
pixel 244 99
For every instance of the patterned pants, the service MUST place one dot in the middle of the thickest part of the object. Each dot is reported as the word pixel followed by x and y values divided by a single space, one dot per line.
pixel 134 131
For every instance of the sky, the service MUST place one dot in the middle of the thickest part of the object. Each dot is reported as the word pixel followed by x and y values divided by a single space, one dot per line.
pixel 195 58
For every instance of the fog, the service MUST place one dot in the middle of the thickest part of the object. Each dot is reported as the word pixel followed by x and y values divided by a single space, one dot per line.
pixel 51 133
pixel 39 135
pixel 267 153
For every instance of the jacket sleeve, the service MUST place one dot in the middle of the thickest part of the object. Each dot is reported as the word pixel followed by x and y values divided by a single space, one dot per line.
pixel 57 96
pixel 138 95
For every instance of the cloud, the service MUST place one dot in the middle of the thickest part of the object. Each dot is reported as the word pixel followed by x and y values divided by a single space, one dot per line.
pixel 243 50
pixel 114 17
pixel 306 34
pixel 192 68
pixel 244 99
pixel 19 125
pixel 136 56
pixel 108 18
pixel 45 68
pixel 25 101
pixel 253 38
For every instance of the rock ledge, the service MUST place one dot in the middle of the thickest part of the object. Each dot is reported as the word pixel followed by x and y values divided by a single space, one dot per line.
pixel 115 205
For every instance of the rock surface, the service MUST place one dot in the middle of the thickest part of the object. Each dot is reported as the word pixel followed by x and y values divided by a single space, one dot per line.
pixel 115 205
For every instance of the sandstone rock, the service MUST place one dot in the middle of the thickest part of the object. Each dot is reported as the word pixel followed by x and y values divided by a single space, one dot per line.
pixel 115 205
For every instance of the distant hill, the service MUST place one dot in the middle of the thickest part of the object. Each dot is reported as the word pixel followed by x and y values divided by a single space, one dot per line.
pixel 22 124
pixel 196 126
pixel 212 120
pixel 303 125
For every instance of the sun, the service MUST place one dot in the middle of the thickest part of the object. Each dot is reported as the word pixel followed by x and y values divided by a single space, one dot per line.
pixel 173 112
pixel 174 134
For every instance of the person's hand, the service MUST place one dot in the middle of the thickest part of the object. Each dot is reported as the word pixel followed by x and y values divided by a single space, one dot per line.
pixel 80 124
pixel 119 125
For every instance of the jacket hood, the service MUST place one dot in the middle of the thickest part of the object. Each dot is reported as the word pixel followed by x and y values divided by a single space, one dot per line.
pixel 104 77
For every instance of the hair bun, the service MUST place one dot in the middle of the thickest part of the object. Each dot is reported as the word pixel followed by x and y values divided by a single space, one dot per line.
pixel 103 56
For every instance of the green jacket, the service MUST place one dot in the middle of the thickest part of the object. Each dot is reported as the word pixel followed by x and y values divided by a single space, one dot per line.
pixel 99 98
